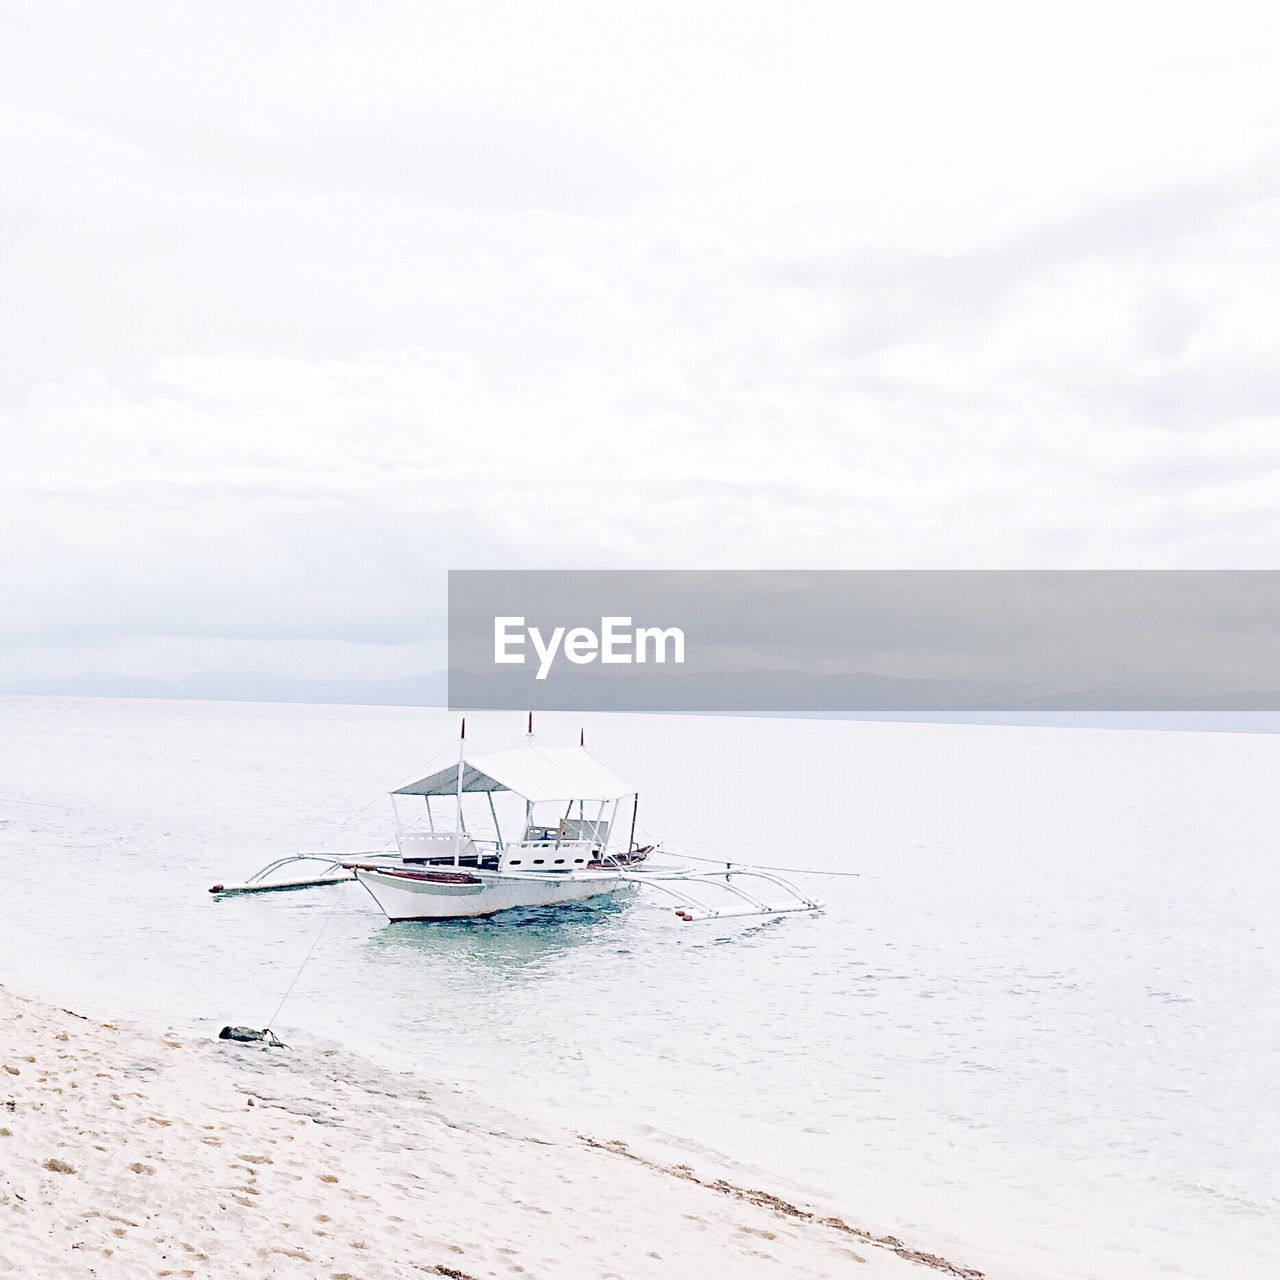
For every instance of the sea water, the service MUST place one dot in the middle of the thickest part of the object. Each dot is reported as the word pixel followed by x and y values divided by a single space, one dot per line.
pixel 1038 1031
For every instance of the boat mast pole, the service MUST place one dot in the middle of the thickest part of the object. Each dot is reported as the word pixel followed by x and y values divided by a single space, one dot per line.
pixel 528 804
pixel 613 822
pixel 635 804
pixel 497 830
pixel 457 835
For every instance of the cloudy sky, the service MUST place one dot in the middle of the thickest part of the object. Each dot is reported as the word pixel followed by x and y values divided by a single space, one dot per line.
pixel 302 305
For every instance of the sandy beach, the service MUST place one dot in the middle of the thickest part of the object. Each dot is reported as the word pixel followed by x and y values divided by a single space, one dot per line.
pixel 128 1154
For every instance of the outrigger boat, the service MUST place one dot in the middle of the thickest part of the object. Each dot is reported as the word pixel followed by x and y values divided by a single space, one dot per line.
pixel 564 803
pixel 570 806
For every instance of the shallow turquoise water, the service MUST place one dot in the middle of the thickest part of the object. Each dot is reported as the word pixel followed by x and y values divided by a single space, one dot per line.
pixel 1039 1032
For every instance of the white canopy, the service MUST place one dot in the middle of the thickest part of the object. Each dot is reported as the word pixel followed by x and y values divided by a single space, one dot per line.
pixel 532 772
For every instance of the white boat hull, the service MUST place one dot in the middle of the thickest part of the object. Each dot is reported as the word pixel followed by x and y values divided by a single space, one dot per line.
pixel 408 897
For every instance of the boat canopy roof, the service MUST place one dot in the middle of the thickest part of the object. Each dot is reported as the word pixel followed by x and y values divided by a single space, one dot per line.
pixel 532 772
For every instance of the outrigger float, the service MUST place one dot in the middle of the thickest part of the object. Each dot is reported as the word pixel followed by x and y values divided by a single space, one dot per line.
pixel 566 805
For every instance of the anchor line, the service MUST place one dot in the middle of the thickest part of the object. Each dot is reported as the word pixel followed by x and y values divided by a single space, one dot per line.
pixel 380 798
pixel 691 830
pixel 730 863
pixel 310 952
pixel 38 804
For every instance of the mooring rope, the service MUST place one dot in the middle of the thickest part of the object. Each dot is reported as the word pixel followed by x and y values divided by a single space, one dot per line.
pixel 760 866
pixel 380 798
pixel 692 831
pixel 310 952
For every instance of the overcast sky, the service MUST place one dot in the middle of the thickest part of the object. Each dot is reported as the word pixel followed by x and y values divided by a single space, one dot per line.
pixel 301 305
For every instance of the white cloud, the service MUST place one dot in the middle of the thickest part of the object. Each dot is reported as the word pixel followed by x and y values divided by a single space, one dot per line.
pixel 301 310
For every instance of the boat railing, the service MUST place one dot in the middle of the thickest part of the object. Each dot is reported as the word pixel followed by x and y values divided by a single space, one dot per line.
pixel 549 842
pixel 439 844
pixel 542 855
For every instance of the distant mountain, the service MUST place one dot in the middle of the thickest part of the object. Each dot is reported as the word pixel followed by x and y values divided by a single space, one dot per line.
pixel 429 690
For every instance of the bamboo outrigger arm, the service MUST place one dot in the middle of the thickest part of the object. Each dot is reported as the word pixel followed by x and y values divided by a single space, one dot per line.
pixel 678 885
pixel 260 882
